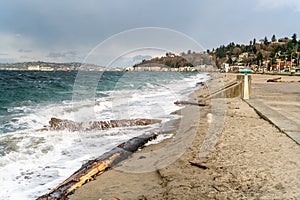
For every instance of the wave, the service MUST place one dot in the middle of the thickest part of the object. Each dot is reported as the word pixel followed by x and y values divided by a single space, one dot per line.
pixel 31 162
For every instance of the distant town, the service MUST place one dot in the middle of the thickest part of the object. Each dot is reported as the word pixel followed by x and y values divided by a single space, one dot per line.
pixel 50 66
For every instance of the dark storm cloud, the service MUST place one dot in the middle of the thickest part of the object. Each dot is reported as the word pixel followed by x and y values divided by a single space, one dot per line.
pixel 68 22
pixel 56 26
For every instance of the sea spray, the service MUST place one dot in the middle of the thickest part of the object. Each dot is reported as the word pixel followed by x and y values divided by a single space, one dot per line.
pixel 32 161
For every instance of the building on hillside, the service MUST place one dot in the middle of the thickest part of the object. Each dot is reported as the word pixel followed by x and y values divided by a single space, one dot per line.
pixel 226 67
pixel 144 68
pixel 46 69
pixel 186 69
pixel 33 67
pixel 243 55
pixel 151 67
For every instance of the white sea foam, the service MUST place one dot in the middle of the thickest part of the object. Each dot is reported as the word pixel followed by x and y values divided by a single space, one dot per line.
pixel 34 162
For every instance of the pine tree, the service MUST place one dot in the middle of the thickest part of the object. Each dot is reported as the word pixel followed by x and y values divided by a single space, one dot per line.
pixel 274 38
pixel 294 38
pixel 266 42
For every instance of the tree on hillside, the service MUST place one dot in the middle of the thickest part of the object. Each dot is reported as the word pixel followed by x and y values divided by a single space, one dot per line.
pixel 274 38
pixel 285 39
pixel 221 51
pixel 230 61
pixel 260 57
pixel 292 44
pixel 236 51
pixel 254 41
pixel 266 42
pixel 273 56
pixel 294 38
pixel 254 50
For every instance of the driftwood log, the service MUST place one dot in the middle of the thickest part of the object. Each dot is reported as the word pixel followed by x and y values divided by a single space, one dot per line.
pixel 95 167
pixel 274 79
pixel 199 165
pixel 64 124
pixel 189 103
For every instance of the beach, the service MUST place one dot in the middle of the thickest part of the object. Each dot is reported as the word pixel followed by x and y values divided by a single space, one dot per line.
pixel 252 159
pixel 35 157
pixel 150 100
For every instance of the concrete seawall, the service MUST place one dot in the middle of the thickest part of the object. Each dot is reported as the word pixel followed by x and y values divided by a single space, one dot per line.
pixel 275 102
pixel 233 89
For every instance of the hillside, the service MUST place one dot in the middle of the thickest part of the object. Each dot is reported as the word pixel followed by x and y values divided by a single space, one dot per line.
pixel 170 60
pixel 273 54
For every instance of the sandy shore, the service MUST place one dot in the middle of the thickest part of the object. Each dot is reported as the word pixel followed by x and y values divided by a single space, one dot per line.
pixel 251 159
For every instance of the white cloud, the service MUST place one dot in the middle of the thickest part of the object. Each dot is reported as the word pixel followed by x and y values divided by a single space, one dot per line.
pixel 278 5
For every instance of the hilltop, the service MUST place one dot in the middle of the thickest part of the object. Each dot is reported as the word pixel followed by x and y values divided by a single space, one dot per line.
pixel 170 62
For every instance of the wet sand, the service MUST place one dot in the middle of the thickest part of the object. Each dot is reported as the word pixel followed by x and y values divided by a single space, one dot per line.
pixel 252 159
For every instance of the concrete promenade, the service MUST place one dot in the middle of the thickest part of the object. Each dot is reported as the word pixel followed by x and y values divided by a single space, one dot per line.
pixel 278 102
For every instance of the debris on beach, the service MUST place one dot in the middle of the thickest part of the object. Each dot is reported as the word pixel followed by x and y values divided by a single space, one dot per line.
pixel 189 103
pixel 278 79
pixel 92 168
pixel 64 124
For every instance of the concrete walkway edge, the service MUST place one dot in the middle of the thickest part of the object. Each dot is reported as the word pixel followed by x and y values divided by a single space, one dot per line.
pixel 285 125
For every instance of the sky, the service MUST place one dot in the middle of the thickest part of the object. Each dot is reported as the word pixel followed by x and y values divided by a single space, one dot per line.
pixel 69 30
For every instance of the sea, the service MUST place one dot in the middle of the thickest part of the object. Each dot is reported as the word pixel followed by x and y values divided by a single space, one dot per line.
pixel 33 161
